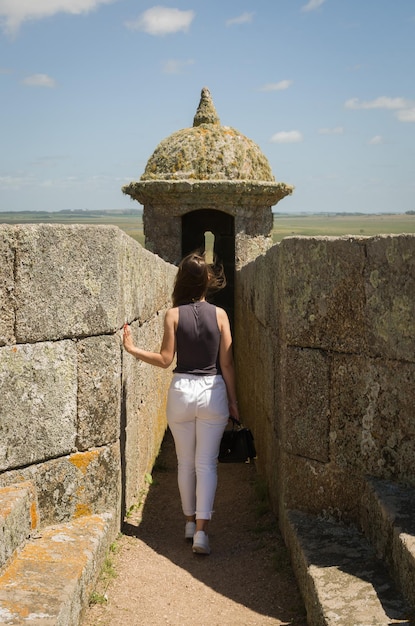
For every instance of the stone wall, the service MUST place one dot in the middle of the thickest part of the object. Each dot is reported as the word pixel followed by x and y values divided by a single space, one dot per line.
pixel 79 417
pixel 325 354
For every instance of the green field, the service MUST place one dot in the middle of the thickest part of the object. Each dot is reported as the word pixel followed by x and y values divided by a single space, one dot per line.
pixel 284 225
pixel 340 224
pixel 130 222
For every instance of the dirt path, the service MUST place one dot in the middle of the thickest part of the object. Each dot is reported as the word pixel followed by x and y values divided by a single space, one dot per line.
pixel 247 579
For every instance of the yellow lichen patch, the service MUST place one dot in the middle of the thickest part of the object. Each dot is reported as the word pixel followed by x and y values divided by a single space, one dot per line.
pixel 34 517
pixel 5 509
pixel 207 152
pixel 81 510
pixel 11 490
pixel 11 494
pixel 93 523
pixel 15 610
pixel 81 460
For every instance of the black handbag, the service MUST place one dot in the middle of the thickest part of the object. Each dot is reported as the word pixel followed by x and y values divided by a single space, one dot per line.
pixel 237 445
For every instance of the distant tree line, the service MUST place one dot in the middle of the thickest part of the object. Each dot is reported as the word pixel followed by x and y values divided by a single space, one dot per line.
pixel 93 213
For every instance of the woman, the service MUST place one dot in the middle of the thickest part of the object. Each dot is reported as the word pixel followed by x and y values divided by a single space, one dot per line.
pixel 202 393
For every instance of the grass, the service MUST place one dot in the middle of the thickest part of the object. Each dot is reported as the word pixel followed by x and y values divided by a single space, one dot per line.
pixel 97 598
pixel 107 574
pixel 339 225
pixel 136 508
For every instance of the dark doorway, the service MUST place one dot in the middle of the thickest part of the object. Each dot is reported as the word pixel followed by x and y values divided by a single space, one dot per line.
pixel 209 228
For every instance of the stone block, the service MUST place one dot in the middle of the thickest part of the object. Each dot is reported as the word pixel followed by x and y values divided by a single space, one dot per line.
pixel 342 581
pixel 259 288
pixel 256 356
pixel 163 231
pixel 51 579
pixel 372 418
pixel 388 520
pixel 144 401
pixel 245 352
pixel 6 285
pixel 99 391
pixel 18 517
pixel 305 406
pixel 256 351
pixel 38 402
pixel 319 488
pixel 271 474
pixel 82 483
pixel 67 281
pixel 98 478
pixel 147 282
pixel 390 293
pixel 249 247
pixel 257 397
pixel 323 293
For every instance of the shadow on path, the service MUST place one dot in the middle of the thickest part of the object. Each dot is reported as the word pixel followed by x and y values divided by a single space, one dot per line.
pixel 246 580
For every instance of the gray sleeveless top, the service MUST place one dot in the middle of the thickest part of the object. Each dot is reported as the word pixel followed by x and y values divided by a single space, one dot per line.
pixel 197 339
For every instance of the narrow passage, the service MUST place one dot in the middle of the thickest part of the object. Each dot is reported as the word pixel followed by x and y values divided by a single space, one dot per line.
pixel 247 580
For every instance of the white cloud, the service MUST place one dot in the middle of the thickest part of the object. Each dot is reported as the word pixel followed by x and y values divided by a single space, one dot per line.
pixel 404 109
pixel 376 140
pixel 383 102
pixel 39 80
pixel 174 66
pixel 11 182
pixel 244 18
pixel 312 5
pixel 162 21
pixel 406 115
pixel 338 130
pixel 291 136
pixel 283 84
pixel 14 12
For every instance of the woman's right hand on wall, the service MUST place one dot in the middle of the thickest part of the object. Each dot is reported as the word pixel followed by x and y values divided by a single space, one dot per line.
pixel 127 338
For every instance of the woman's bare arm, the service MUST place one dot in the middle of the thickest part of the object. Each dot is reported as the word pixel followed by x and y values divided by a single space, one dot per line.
pixel 226 361
pixel 165 357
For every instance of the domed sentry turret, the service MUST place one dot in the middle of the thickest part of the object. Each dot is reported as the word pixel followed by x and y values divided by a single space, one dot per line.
pixel 208 151
pixel 211 179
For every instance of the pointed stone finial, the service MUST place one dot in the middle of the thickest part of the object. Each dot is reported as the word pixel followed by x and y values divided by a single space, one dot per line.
pixel 206 112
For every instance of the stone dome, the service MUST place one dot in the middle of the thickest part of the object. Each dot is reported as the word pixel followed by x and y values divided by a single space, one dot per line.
pixel 207 151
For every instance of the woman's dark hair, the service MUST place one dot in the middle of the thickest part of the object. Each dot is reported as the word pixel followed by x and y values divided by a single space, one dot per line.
pixel 195 279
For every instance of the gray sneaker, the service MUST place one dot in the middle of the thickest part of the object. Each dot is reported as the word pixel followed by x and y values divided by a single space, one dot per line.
pixel 201 543
pixel 189 530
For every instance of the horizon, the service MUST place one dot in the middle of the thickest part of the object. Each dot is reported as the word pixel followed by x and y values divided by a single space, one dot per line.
pixel 139 210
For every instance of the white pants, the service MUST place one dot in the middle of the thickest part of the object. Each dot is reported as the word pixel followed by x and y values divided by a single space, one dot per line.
pixel 197 414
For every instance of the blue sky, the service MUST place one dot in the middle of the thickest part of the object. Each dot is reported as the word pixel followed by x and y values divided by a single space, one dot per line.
pixel 326 88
